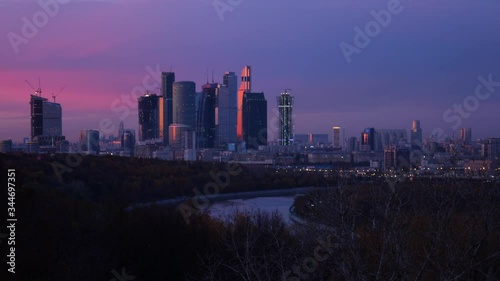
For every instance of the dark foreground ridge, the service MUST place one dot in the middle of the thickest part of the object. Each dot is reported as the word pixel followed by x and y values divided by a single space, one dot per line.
pixel 420 230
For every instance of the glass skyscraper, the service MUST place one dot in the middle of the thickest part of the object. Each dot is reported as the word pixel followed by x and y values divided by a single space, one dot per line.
pixel 46 121
pixel 245 87
pixel 206 115
pixel 184 108
pixel 166 114
pixel 285 108
pixel 416 135
pixel 368 139
pixel 148 117
pixel 254 120
pixel 226 111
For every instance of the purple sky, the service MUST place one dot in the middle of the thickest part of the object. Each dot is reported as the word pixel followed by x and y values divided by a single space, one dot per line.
pixel 427 59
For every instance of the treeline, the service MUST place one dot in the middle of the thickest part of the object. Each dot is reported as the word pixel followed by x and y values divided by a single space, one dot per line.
pixel 421 230
pixel 112 178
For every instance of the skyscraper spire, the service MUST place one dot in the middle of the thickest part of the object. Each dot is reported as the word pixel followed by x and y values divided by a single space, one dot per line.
pixel 245 87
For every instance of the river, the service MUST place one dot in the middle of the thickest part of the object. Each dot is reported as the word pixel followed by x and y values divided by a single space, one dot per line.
pixel 281 204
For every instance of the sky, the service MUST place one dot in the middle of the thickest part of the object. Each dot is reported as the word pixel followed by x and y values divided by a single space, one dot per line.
pixel 416 65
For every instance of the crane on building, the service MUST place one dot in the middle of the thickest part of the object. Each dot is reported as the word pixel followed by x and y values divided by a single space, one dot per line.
pixel 38 91
pixel 54 96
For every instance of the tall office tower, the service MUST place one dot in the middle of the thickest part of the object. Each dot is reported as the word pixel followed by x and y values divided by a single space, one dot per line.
pixel 491 148
pixel 89 142
pixel 245 87
pixel 226 114
pixel 254 120
pixel 205 117
pixel 416 135
pixel 466 135
pixel 129 141
pixel 120 133
pixel 368 139
pixel 392 136
pixel 161 120
pixel 148 117
pixel 167 81
pixel 36 104
pixel 390 156
pixel 351 144
pixel 336 137
pixel 184 106
pixel 285 108
pixel 6 146
pixel 46 120
pixel 230 80
pixel 227 110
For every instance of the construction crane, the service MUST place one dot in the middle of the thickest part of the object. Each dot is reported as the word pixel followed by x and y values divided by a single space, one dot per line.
pixel 38 91
pixel 30 85
pixel 54 96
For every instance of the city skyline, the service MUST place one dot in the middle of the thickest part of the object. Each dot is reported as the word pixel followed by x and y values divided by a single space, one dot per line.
pixel 250 140
pixel 455 135
pixel 418 81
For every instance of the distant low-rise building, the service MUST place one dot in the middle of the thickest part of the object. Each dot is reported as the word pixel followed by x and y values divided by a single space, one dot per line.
pixel 477 166
pixel 6 146
pixel 491 149
pixel 329 157
pixel 89 142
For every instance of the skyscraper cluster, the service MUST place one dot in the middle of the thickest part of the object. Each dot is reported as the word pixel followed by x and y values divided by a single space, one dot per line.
pixel 217 116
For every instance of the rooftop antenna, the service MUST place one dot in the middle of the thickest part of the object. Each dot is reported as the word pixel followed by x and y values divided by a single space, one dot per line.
pixel 54 96
pixel 171 68
pixel 213 76
pixel 207 75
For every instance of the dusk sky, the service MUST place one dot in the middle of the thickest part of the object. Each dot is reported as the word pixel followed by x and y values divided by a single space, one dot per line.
pixel 427 58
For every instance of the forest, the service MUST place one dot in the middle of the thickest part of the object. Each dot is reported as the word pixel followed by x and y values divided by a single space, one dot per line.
pixel 80 229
